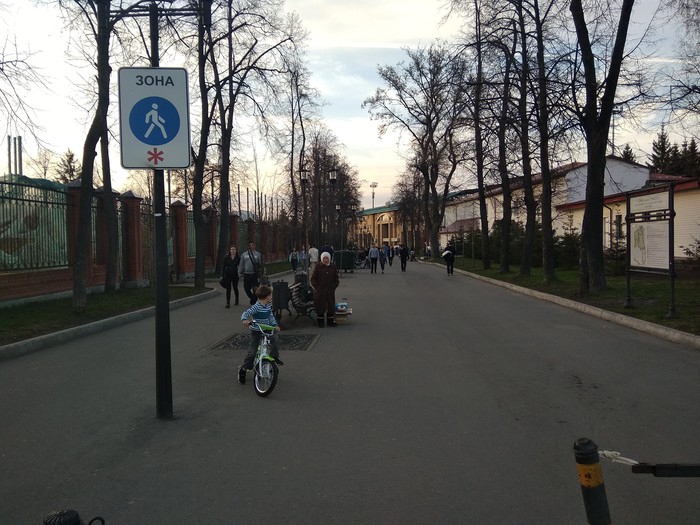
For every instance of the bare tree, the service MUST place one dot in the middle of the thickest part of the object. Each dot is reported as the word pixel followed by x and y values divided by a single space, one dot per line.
pixel 17 76
pixel 100 22
pixel 407 194
pixel 42 162
pixel 238 57
pixel 685 91
pixel 594 115
pixel 425 98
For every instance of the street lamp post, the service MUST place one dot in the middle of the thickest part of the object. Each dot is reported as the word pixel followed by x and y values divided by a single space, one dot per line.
pixel 332 178
pixel 304 177
pixel 340 219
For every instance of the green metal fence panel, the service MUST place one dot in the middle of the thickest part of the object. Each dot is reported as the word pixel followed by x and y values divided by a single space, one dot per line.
pixel 33 230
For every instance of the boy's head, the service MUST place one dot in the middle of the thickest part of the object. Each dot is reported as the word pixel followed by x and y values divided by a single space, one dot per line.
pixel 263 293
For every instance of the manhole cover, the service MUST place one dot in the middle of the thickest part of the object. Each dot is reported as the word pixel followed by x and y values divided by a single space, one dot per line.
pixel 287 342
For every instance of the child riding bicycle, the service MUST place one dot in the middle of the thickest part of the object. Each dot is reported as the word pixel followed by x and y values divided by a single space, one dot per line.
pixel 260 312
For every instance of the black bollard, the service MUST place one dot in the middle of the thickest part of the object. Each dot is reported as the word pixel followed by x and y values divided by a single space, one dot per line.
pixel 69 517
pixel 590 477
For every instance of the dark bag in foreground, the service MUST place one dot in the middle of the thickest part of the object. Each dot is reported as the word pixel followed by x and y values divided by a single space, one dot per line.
pixel 222 282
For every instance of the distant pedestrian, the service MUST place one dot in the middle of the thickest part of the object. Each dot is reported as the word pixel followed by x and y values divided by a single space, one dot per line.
pixel 313 258
pixel 328 248
pixel 389 251
pixel 373 257
pixel 449 256
pixel 304 259
pixel 250 268
pixel 294 259
pixel 229 274
pixel 382 258
pixel 325 280
pixel 403 254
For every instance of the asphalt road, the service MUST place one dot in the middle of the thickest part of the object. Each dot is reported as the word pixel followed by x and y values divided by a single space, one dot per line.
pixel 444 400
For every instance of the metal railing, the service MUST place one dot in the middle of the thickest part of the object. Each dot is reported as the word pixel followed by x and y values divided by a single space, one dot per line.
pixel 33 229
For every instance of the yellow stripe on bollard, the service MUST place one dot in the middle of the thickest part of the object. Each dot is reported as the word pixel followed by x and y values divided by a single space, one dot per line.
pixel 590 476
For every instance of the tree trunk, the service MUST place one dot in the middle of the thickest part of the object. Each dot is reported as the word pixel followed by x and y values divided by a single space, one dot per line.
pixel 83 242
pixel 479 144
pixel 596 124
pixel 543 123
pixel 504 266
pixel 111 276
pixel 528 192
pixel 592 228
pixel 199 166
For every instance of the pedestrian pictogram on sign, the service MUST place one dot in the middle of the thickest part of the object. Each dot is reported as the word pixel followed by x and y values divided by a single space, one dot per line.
pixel 154 118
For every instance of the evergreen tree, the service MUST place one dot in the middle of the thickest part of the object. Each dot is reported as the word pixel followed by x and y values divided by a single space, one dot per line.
pixel 661 153
pixel 68 168
pixel 689 161
pixel 628 154
pixel 675 166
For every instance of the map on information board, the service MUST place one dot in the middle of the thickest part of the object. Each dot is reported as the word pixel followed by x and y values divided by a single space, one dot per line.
pixel 649 245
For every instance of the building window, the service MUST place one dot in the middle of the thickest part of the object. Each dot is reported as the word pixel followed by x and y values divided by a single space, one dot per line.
pixel 619 234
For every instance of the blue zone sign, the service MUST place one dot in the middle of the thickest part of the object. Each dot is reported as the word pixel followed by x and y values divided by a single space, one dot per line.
pixel 154 118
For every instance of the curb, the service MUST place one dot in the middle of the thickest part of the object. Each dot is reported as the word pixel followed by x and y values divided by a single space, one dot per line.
pixel 44 341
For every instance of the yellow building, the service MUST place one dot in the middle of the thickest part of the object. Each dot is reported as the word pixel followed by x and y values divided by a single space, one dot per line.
pixel 378 225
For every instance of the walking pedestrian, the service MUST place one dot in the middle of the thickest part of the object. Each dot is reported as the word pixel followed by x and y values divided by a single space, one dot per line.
pixel 250 268
pixel 325 280
pixel 389 251
pixel 449 256
pixel 373 256
pixel 382 258
pixel 403 254
pixel 229 273
pixel 294 259
pixel 313 258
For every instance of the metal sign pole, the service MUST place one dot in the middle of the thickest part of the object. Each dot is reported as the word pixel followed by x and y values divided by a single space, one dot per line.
pixel 164 385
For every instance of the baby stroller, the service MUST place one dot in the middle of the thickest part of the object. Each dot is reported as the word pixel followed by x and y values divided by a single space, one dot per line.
pixel 412 255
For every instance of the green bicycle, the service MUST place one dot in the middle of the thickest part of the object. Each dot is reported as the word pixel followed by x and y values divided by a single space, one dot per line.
pixel 264 367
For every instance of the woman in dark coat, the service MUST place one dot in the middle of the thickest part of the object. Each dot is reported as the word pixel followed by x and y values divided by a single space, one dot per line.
pixel 325 280
pixel 229 273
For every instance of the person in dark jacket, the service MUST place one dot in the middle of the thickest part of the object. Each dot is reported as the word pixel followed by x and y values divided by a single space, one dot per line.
pixel 229 273
pixel 325 280
pixel 449 256
pixel 403 254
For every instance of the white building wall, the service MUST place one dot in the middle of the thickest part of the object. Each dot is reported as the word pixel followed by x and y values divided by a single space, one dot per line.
pixel 686 225
pixel 620 176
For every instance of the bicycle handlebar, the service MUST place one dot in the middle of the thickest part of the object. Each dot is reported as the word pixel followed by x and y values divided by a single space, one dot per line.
pixel 262 327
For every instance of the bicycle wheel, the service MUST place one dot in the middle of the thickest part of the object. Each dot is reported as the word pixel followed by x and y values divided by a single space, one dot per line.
pixel 265 378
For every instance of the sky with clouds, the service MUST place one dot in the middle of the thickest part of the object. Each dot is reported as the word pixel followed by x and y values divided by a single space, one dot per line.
pixel 347 41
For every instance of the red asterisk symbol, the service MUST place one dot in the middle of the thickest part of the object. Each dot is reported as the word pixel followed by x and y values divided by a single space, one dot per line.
pixel 155 156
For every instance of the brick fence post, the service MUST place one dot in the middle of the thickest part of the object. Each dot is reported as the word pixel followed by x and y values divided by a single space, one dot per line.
pixel 132 242
pixel 178 212
pixel 212 238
